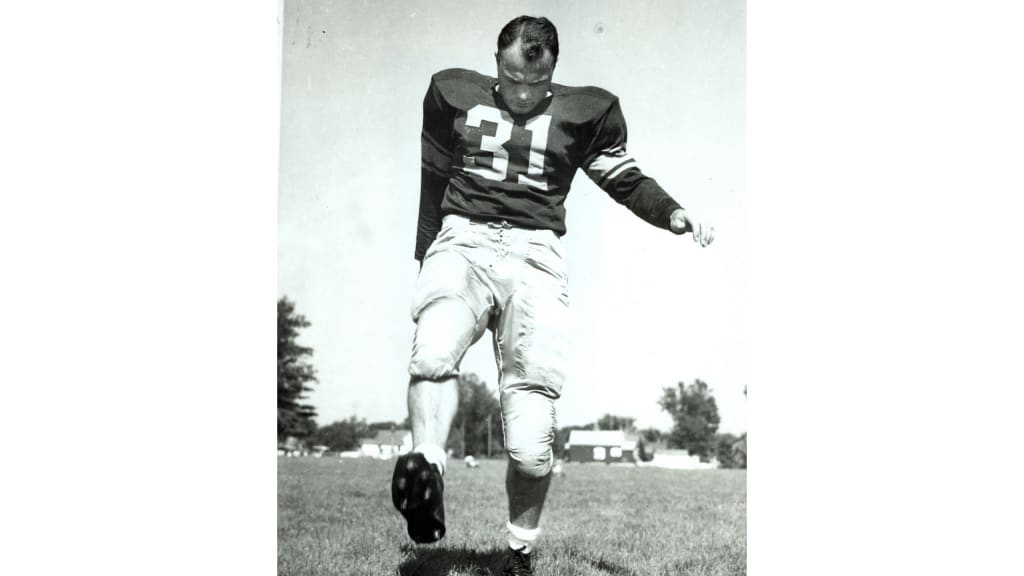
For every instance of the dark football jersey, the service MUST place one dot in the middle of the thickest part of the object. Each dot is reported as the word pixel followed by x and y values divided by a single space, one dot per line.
pixel 485 162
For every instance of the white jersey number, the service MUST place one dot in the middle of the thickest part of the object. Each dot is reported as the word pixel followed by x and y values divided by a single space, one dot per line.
pixel 537 136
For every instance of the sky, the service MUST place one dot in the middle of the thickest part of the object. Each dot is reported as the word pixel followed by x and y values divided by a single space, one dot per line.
pixel 648 309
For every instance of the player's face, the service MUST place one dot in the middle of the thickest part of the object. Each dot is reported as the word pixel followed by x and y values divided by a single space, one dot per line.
pixel 523 85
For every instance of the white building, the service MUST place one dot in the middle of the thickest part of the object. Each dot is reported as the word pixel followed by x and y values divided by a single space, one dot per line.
pixel 386 444
pixel 600 446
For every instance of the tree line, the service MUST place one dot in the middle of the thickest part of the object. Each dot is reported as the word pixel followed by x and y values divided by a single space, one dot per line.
pixel 477 428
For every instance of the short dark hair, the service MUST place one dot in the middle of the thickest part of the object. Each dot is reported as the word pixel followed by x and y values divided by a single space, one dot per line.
pixel 536 34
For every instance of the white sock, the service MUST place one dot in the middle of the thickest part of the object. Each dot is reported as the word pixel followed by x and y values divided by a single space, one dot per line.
pixel 434 454
pixel 521 538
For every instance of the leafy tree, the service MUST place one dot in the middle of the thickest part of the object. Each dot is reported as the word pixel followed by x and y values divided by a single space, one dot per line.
pixel 611 422
pixel 644 452
pixel 294 374
pixel 341 435
pixel 302 429
pixel 477 406
pixel 731 450
pixel 695 413
pixel 644 444
pixel 651 435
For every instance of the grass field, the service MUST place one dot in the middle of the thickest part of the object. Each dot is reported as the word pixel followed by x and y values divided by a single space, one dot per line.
pixel 335 517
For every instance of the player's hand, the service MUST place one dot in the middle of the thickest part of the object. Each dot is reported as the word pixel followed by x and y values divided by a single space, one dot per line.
pixel 681 223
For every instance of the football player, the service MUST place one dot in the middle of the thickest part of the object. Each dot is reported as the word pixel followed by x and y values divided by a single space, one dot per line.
pixel 498 158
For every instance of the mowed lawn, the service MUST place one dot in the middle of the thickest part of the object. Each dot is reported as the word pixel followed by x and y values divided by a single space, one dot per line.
pixel 335 517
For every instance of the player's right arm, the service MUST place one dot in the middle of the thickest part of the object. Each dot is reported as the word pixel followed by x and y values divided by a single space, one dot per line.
pixel 436 141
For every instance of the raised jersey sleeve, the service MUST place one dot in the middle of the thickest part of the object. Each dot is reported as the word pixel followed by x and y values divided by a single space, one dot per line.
pixel 615 171
pixel 435 165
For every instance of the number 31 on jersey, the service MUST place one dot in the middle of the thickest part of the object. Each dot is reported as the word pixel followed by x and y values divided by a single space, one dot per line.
pixel 497 146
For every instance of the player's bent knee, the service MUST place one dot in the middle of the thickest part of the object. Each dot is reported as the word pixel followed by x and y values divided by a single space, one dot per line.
pixel 532 464
pixel 444 331
pixel 433 360
pixel 428 366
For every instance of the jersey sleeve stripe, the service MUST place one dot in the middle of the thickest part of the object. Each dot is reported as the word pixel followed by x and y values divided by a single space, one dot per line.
pixel 605 168
pixel 619 170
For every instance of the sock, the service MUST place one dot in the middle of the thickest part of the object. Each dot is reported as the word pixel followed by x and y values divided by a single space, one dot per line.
pixel 521 538
pixel 434 454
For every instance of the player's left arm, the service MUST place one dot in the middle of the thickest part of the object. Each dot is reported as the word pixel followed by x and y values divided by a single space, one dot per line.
pixel 680 222
pixel 616 172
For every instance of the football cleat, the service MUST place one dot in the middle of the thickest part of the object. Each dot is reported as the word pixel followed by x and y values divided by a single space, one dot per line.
pixel 417 491
pixel 517 563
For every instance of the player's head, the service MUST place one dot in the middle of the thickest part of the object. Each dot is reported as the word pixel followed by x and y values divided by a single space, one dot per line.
pixel 536 37
pixel 526 58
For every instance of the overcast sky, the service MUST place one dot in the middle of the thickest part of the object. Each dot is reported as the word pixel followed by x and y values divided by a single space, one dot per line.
pixel 648 309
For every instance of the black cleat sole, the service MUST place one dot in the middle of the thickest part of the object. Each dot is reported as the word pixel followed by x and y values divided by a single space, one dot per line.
pixel 417 491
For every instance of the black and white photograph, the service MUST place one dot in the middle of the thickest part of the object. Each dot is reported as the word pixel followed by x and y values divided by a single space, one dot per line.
pixel 542 273
pixel 509 337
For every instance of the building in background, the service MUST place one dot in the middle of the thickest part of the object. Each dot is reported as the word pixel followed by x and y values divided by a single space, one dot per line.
pixel 386 444
pixel 606 446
